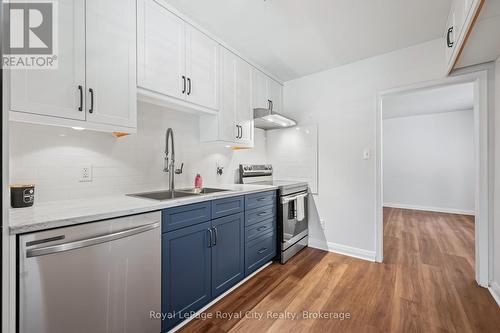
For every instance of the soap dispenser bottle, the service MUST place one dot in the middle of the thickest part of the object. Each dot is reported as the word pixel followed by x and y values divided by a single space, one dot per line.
pixel 198 181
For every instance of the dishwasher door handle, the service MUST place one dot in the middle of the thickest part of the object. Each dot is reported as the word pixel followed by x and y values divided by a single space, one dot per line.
pixel 90 241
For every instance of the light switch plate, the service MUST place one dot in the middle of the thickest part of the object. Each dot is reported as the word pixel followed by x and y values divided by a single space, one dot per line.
pixel 366 154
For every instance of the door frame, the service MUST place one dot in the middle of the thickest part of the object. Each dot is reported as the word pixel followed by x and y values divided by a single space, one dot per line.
pixel 483 223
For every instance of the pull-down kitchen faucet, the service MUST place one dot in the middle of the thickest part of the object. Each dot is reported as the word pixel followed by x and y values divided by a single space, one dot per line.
pixel 170 167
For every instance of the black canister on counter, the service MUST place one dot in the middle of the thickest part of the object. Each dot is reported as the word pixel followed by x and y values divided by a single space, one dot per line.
pixel 22 195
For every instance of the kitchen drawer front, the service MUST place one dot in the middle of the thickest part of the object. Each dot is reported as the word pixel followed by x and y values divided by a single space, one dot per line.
pixel 259 214
pixel 227 206
pixel 260 199
pixel 258 229
pixel 259 251
pixel 185 216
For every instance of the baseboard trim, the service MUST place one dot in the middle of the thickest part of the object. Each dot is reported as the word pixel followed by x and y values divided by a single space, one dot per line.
pixel 185 322
pixel 430 209
pixel 342 249
pixel 494 289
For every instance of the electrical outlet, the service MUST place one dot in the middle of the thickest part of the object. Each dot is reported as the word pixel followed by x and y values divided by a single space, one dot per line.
pixel 86 174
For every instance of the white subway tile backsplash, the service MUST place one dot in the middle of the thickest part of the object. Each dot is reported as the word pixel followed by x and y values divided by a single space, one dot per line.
pixel 52 157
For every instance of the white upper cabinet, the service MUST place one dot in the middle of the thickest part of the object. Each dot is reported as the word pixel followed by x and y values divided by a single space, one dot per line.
pixel 56 92
pixel 94 85
pixel 202 60
pixel 244 107
pixel 460 22
pixel 178 65
pixel 234 122
pixel 267 93
pixel 111 62
pixel 260 90
pixel 227 117
pixel 275 91
pixel 161 50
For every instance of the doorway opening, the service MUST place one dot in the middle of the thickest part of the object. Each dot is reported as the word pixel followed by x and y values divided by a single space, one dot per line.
pixel 432 176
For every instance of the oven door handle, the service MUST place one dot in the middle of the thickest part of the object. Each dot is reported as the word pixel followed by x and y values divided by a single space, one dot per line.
pixel 286 200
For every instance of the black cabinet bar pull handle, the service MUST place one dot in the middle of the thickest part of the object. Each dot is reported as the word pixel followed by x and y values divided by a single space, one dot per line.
pixel 269 104
pixel 80 88
pixel 189 86
pixel 91 91
pixel 216 236
pixel 262 214
pixel 210 237
pixel 262 228
pixel 183 84
pixel 272 105
pixel 448 39
pixel 240 132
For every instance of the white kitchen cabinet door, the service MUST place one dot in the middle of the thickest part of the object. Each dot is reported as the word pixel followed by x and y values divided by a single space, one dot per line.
pixel 260 92
pixel 275 93
pixel 161 50
pixel 111 62
pixel 56 92
pixel 202 69
pixel 228 130
pixel 244 109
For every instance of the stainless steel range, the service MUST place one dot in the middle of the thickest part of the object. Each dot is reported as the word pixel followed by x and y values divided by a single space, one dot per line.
pixel 292 207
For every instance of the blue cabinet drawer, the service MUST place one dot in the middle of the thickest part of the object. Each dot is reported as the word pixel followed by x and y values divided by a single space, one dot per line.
pixel 259 251
pixel 258 229
pixel 227 206
pixel 259 214
pixel 257 200
pixel 185 216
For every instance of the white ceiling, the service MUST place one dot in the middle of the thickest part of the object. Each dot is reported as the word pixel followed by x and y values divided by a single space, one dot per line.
pixel 483 44
pixel 293 38
pixel 444 99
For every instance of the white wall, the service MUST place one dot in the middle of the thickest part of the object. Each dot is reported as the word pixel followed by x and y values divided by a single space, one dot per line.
pixel 51 157
pixel 428 162
pixel 343 102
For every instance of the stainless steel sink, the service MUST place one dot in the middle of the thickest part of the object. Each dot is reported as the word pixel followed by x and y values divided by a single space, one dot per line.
pixel 163 195
pixel 205 190
pixel 169 195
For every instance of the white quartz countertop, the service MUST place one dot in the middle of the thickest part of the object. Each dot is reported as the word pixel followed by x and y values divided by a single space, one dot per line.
pixel 48 215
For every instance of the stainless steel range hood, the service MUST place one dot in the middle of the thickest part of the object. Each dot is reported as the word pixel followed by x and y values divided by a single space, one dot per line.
pixel 267 119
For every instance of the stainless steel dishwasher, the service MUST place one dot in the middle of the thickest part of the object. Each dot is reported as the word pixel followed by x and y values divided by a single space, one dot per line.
pixel 92 278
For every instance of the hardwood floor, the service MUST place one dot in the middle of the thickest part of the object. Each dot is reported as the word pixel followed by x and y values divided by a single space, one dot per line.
pixel 426 284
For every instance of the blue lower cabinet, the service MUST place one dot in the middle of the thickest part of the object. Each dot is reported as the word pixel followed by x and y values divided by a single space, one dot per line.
pixel 186 269
pixel 228 253
pixel 227 206
pixel 207 248
pixel 259 251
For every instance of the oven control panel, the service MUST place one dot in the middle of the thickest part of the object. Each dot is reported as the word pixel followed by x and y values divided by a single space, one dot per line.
pixel 249 170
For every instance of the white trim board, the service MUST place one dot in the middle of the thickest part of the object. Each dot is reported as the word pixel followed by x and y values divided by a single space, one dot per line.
pixel 431 209
pixel 494 289
pixel 185 322
pixel 342 249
